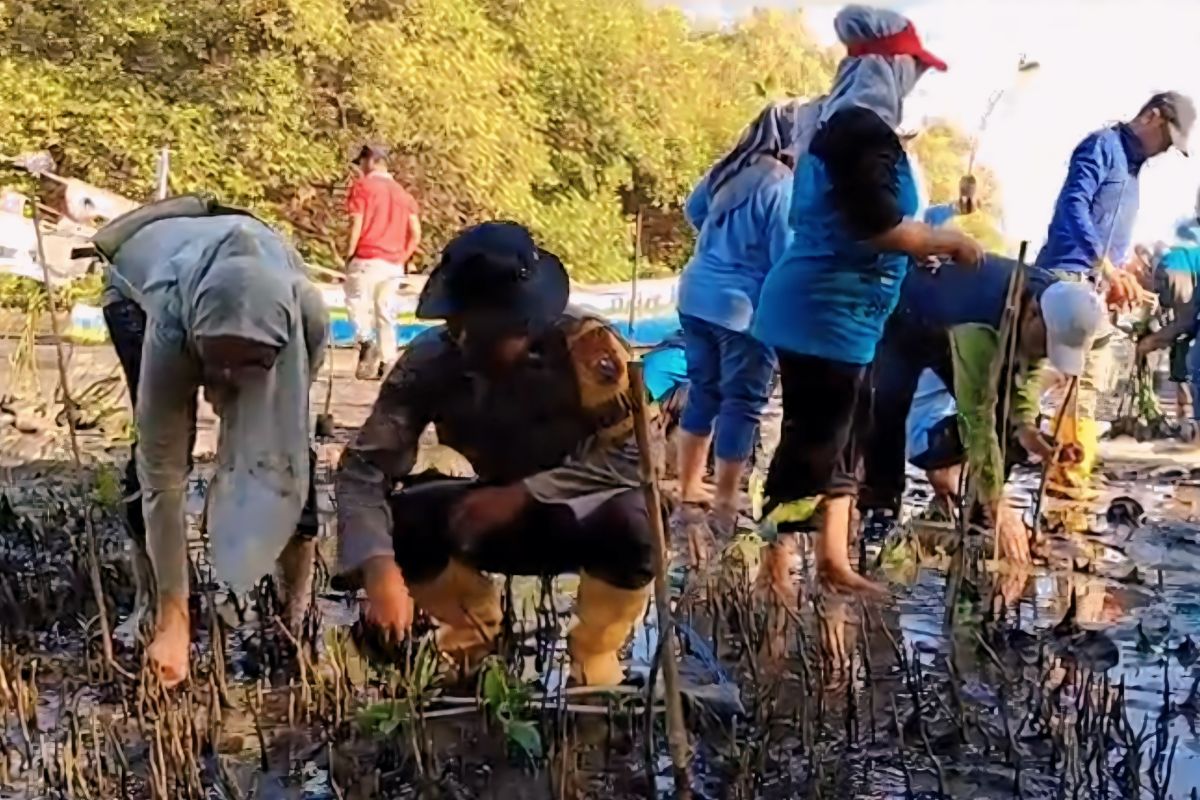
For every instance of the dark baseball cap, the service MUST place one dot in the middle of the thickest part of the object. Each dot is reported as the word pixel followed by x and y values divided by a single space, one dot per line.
pixel 373 150
pixel 1179 112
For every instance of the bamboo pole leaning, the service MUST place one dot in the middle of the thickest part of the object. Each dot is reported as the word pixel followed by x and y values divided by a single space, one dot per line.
pixel 93 550
pixel 676 731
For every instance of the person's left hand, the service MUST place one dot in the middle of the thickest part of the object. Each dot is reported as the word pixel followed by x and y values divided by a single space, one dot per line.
pixel 484 510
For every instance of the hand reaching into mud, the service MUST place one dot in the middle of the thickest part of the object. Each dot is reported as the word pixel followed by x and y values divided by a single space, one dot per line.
pixel 1035 444
pixel 389 607
pixel 1013 535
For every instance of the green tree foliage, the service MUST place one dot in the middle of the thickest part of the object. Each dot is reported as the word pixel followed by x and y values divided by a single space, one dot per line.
pixel 944 155
pixel 568 115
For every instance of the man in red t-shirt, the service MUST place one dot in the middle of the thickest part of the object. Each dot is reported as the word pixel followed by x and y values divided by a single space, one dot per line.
pixel 385 231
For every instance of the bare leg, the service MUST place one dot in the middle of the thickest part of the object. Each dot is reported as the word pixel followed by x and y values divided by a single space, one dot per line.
pixel 833 554
pixel 729 485
pixel 296 564
pixel 693 457
pixel 1183 405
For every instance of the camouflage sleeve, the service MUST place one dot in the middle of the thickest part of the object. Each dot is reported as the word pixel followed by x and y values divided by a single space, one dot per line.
pixel 975 348
pixel 383 452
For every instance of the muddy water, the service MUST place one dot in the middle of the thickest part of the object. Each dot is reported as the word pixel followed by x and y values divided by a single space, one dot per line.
pixel 843 700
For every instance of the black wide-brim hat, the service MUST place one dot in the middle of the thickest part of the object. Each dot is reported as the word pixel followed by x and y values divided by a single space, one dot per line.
pixel 496 268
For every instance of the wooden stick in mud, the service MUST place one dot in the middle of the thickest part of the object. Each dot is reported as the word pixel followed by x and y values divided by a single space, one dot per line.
pixel 69 405
pixel 676 732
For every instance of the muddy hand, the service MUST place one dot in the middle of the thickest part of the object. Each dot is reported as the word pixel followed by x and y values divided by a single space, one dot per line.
pixel 1013 536
pixel 389 609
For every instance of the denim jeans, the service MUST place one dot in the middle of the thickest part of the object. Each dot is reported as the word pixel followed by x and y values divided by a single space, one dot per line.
pixel 1193 368
pixel 730 376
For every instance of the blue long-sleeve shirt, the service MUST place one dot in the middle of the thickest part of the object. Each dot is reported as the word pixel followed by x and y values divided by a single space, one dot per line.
pixel 1096 209
pixel 743 231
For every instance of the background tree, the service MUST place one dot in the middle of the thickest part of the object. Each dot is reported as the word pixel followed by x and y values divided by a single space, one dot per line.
pixel 567 115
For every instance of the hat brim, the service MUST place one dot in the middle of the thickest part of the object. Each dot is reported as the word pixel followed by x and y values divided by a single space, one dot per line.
pixel 931 61
pixel 1178 138
pixel 542 297
pixel 1065 358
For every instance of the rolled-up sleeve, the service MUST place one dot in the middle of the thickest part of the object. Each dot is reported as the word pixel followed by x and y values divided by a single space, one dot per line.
pixel 862 156
pixel 316 327
pixel 382 454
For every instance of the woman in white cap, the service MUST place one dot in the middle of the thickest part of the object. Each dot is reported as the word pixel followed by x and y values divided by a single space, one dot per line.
pixel 825 301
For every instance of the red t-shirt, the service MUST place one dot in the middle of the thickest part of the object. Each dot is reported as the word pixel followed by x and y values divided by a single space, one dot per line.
pixel 385 209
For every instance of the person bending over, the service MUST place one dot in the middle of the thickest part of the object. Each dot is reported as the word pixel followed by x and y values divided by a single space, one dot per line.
pixel 198 295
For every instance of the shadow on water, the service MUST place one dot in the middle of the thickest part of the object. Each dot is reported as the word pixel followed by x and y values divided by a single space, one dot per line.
pixel 1076 678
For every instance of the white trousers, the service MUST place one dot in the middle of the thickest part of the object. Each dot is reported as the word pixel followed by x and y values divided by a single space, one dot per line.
pixel 371 285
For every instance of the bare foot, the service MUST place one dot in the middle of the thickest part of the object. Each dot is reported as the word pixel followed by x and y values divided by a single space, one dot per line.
pixel 840 577
pixel 169 651
pixel 774 579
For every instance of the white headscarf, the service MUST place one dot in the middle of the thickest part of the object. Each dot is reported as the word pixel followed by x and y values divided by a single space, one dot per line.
pixel 772 133
pixel 877 82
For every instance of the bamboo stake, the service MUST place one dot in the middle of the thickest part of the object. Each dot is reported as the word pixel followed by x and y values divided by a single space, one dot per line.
pixel 69 405
pixel 676 732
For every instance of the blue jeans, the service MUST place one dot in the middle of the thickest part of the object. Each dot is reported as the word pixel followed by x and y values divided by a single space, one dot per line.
pixel 730 378
pixel 1193 368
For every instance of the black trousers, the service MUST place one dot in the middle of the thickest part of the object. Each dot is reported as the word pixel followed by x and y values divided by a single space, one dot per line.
pixel 612 543
pixel 126 322
pixel 906 350
pixel 826 414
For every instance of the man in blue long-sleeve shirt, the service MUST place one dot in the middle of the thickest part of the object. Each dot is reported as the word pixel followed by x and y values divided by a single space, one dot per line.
pixel 1090 234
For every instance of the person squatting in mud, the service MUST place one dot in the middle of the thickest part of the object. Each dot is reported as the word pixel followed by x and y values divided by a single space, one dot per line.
pixel 535 396
pixel 950 322
pixel 824 303
pixel 202 296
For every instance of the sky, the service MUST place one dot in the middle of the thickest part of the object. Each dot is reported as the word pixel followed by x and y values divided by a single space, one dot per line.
pixel 1100 60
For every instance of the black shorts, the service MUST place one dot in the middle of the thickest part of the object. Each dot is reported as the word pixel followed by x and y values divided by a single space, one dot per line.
pixel 1178 359
pixel 945 447
pixel 614 542
pixel 826 417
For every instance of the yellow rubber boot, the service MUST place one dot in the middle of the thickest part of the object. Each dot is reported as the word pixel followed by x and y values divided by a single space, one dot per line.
pixel 467 604
pixel 607 616
pixel 1073 480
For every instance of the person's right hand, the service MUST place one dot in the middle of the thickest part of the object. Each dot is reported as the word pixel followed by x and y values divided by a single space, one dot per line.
pixel 1013 535
pixel 1037 445
pixel 389 606
pixel 965 250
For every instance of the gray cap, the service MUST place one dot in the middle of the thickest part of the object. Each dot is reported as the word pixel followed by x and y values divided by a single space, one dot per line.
pixel 1180 114
pixel 373 150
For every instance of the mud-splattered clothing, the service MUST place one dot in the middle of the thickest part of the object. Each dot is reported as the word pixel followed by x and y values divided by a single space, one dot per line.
pixel 559 422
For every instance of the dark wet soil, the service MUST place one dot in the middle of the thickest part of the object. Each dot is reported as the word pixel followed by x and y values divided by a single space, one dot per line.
pixel 1076 678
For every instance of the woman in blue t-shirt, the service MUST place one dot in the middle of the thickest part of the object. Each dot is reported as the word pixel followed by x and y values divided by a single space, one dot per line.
pixel 740 210
pixel 824 302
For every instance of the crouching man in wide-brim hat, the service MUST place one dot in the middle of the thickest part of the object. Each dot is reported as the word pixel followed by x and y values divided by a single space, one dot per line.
pixel 535 396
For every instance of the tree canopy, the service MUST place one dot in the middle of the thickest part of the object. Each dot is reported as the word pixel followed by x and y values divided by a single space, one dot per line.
pixel 567 115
